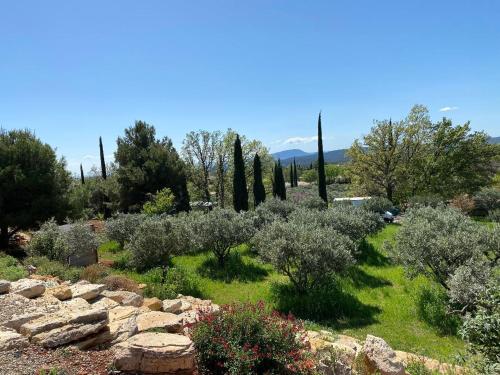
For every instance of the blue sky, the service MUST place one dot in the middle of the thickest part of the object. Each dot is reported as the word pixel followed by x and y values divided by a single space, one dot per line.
pixel 73 71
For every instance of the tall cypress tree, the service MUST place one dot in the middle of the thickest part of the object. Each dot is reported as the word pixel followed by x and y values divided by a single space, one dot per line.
pixel 259 192
pixel 240 193
pixel 295 176
pixel 280 182
pixel 82 177
pixel 292 178
pixel 103 163
pixel 321 164
pixel 274 180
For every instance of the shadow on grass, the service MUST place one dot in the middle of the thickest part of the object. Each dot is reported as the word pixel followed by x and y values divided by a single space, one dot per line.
pixel 361 279
pixel 327 304
pixel 234 269
pixel 371 256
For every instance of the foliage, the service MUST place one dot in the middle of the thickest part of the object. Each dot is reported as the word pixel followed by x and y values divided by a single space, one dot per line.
pixel 10 268
pixel 168 284
pixel 33 183
pixel 448 247
pixel 332 173
pixel 45 266
pixel 487 200
pixel 494 215
pixel 240 192
pixel 321 164
pixel 464 203
pixel 220 230
pixel 482 329
pixel 259 192
pixel 43 242
pixel 122 227
pixel 277 207
pixel 247 339
pixel 118 282
pixel 426 200
pixel 163 202
pixel 95 273
pixel 305 252
pixel 147 165
pixel 152 244
pixel 279 188
pixel 378 204
pixel 432 307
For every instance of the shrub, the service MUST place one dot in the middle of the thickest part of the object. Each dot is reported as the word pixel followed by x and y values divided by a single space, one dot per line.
pixel 487 200
pixel 378 205
pixel 43 242
pixel 307 198
pixel 151 245
pixel 446 246
pixel 10 268
pixel 94 273
pixel 429 200
pixel 122 227
pixel 118 282
pixel 163 202
pixel 77 239
pixel 432 307
pixel 482 329
pixel 278 207
pixel 168 284
pixel 305 252
pixel 45 266
pixel 464 203
pixel 494 215
pixel 247 339
pixel 220 230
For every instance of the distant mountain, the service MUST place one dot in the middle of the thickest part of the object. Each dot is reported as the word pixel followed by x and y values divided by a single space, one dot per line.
pixel 494 140
pixel 335 156
pixel 286 154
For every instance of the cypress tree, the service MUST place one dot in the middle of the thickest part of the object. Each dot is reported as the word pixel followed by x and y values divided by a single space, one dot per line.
pixel 240 193
pixel 82 177
pixel 275 186
pixel 321 164
pixel 292 179
pixel 295 176
pixel 280 182
pixel 259 192
pixel 103 163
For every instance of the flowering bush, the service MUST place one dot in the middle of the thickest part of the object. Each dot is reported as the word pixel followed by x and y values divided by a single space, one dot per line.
pixel 248 339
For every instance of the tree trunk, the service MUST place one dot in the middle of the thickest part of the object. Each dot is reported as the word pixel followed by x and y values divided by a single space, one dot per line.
pixel 389 192
pixel 4 237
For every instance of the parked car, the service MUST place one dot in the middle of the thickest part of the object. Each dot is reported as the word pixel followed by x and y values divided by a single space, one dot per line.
pixel 388 217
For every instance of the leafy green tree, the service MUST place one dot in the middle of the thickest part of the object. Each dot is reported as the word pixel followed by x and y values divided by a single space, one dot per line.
pixel 33 183
pixel 163 202
pixel 321 164
pixel 259 192
pixel 147 165
pixel 240 192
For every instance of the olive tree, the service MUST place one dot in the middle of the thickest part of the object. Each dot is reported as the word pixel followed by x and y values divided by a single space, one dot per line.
pixel 305 252
pixel 122 227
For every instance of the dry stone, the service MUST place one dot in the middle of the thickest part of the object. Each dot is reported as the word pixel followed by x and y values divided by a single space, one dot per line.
pixel 27 288
pixel 156 319
pixel 87 291
pixel 379 357
pixel 61 292
pixel 172 306
pixel 153 304
pixel 10 339
pixel 122 312
pixel 123 297
pixel 4 286
pixel 156 353
pixel 104 303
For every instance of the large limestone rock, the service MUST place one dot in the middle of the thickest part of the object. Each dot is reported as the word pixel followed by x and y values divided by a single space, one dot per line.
pixel 153 304
pixel 432 365
pixel 172 306
pixel 159 320
pixel 105 303
pixel 156 353
pixel 379 357
pixel 123 297
pixel 122 312
pixel 87 291
pixel 10 339
pixel 61 292
pixel 27 288
pixel 4 286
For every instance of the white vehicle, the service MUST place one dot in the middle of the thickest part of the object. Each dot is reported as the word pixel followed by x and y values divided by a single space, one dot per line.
pixel 388 217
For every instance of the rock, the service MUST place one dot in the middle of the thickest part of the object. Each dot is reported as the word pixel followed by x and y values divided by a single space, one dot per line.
pixel 61 292
pixel 76 304
pixel 66 334
pixel 172 306
pixel 156 319
pixel 27 288
pixel 379 357
pixel 156 353
pixel 122 312
pixel 154 304
pixel 123 297
pixel 10 339
pixel 87 291
pixel 104 303
pixel 4 286
pixel 189 317
pixel 432 365
pixel 115 332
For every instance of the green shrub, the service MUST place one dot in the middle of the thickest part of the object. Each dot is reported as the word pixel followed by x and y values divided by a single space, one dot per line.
pixel 44 241
pixel 163 202
pixel 10 268
pixel 305 252
pixel 79 238
pixel 247 339
pixel 429 200
pixel 278 207
pixel 122 227
pixel 494 215
pixel 432 307
pixel 487 200
pixel 45 266
pixel 167 284
pixel 378 205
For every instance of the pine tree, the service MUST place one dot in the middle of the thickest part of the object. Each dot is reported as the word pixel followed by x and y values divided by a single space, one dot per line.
pixel 259 192
pixel 240 193
pixel 321 164
pixel 295 176
pixel 103 163
pixel 82 177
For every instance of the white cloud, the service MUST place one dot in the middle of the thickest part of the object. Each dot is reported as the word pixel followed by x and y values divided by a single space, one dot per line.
pixel 300 140
pixel 448 109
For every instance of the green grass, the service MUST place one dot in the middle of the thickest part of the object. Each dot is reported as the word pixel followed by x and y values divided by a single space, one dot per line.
pixel 374 298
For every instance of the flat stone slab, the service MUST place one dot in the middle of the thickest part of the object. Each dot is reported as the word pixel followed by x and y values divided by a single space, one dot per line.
pixel 156 353
pixel 154 304
pixel 159 320
pixel 124 298
pixel 173 306
pixel 61 292
pixel 28 288
pixel 10 339
pixel 87 291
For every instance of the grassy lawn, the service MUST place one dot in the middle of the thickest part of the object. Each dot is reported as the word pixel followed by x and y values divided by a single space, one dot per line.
pixel 376 296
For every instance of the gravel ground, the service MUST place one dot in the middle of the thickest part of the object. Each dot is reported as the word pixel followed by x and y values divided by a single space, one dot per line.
pixel 34 359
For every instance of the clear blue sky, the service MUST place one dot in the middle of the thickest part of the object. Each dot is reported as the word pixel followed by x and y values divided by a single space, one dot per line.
pixel 73 71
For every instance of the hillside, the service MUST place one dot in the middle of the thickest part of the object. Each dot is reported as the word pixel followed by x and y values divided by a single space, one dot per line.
pixel 335 156
pixel 286 154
